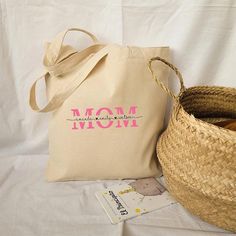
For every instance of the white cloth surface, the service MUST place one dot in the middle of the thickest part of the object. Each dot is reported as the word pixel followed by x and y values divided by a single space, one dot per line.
pixel 202 37
pixel 30 206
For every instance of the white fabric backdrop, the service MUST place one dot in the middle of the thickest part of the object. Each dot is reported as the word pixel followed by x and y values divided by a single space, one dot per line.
pixel 202 36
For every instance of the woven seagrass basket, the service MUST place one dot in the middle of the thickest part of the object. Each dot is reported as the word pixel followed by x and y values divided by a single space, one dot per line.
pixel 198 158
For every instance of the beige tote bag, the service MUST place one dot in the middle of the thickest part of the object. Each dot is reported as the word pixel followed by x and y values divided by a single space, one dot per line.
pixel 107 111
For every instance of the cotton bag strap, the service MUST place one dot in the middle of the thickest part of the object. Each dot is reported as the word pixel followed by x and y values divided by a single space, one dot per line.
pixel 60 59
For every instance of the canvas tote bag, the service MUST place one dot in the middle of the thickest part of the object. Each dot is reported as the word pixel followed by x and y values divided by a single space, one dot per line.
pixel 107 111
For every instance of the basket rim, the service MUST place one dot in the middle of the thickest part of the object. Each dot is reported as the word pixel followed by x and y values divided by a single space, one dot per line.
pixel 202 122
pixel 210 86
pixel 206 125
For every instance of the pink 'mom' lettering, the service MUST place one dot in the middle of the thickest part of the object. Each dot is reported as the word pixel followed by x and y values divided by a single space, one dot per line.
pixel 101 121
pixel 88 112
pixel 132 111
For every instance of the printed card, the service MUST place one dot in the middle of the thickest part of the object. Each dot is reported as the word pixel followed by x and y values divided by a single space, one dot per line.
pixel 125 201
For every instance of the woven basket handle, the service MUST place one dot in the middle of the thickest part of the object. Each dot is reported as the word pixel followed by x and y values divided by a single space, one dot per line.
pixel 160 83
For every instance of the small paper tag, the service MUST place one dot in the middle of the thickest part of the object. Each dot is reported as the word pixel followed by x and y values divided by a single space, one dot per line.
pixel 122 201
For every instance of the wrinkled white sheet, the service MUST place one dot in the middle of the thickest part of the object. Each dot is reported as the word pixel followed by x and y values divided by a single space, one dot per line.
pixel 30 206
pixel 202 36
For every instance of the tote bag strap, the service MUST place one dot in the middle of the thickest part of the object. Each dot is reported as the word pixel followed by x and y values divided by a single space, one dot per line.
pixel 55 47
pixel 66 59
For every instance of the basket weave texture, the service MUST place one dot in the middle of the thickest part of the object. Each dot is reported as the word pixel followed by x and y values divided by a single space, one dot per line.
pixel 199 158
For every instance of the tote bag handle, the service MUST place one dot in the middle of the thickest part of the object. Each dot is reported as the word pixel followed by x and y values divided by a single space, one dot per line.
pixel 54 49
pixel 57 65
